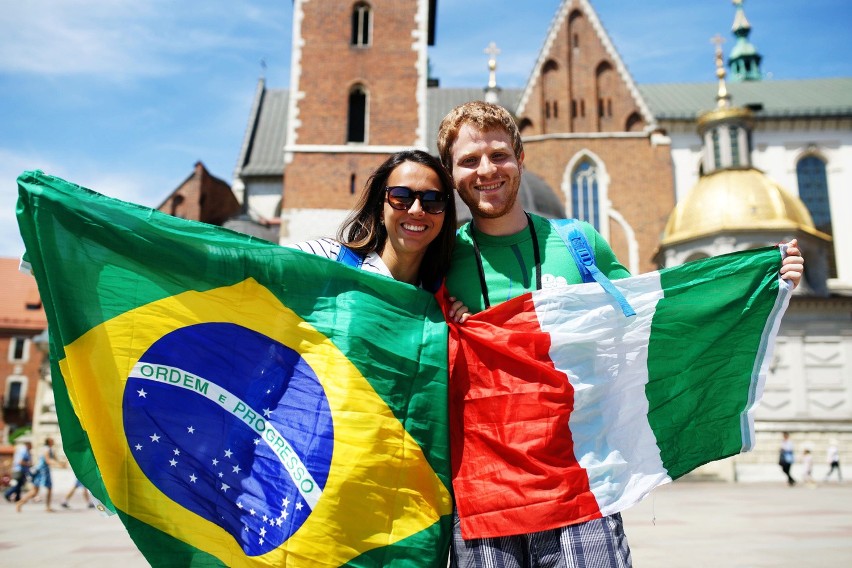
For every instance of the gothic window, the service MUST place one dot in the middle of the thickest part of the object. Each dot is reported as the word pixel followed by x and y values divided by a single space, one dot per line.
pixel 584 193
pixel 357 123
pixel 361 20
pixel 634 123
pixel 606 83
pixel 813 191
pixel 575 23
pixel 550 88
pixel 177 201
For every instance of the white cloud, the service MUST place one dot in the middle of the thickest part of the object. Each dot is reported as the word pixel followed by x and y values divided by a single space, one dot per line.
pixel 143 188
pixel 116 39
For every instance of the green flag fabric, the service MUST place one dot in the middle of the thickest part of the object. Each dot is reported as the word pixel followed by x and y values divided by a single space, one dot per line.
pixel 239 403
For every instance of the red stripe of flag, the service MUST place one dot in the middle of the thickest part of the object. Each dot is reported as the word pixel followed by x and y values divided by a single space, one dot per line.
pixel 514 469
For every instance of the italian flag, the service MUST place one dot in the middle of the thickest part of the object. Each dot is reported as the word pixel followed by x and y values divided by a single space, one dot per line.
pixel 564 410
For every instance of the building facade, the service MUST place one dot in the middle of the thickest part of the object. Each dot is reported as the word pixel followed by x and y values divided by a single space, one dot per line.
pixel 22 319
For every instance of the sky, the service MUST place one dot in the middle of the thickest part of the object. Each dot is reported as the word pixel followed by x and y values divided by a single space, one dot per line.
pixel 124 97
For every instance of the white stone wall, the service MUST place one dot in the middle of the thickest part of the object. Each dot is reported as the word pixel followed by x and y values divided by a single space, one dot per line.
pixel 304 224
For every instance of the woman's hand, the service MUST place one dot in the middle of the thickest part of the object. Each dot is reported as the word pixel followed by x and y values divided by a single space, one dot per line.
pixel 458 312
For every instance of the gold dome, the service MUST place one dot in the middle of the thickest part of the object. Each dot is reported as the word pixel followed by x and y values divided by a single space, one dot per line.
pixel 737 200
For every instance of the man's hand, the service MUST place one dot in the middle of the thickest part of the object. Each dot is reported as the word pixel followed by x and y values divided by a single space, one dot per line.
pixel 793 265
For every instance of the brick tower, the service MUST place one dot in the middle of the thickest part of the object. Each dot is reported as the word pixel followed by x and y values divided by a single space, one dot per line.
pixel 358 94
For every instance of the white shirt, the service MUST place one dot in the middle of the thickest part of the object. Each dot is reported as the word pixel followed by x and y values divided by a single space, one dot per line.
pixel 330 248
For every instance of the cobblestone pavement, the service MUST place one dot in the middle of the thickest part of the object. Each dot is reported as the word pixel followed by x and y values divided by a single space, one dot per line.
pixel 687 524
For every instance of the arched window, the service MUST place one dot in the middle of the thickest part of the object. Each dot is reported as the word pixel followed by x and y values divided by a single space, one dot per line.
pixel 361 24
pixel 584 193
pixel 605 85
pixel 524 124
pixel 634 123
pixel 813 191
pixel 357 123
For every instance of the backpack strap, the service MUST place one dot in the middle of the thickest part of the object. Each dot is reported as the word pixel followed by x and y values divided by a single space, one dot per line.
pixel 584 256
pixel 349 257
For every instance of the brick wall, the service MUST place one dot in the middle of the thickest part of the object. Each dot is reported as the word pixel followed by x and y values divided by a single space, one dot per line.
pixel 641 186
pixel 579 88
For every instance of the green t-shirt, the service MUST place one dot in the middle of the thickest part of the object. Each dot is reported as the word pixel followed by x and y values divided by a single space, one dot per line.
pixel 509 264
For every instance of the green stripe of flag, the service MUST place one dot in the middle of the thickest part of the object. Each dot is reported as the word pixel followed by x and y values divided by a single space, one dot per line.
pixel 707 344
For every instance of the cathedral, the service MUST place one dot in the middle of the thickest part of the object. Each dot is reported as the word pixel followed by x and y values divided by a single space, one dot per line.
pixel 668 173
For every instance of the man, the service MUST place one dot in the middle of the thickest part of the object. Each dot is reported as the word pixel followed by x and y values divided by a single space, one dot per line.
pixel 22 461
pixel 786 459
pixel 503 253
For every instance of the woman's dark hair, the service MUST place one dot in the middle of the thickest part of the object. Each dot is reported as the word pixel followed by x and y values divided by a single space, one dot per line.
pixel 364 232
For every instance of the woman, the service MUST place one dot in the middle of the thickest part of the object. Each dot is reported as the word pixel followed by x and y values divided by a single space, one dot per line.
pixel 41 476
pixel 403 225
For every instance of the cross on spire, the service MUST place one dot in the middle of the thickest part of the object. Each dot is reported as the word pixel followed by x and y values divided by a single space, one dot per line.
pixel 492 51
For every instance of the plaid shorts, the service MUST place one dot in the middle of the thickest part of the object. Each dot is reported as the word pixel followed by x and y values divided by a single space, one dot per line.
pixel 599 543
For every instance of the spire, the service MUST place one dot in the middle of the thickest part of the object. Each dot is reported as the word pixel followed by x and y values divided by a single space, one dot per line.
pixel 492 91
pixel 744 60
pixel 723 98
pixel 725 130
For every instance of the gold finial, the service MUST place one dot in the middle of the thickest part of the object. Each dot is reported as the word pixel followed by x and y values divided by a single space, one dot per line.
pixel 493 52
pixel 723 99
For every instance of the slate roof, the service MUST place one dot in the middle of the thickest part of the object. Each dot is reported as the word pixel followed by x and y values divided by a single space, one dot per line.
pixel 440 101
pixel 263 150
pixel 779 99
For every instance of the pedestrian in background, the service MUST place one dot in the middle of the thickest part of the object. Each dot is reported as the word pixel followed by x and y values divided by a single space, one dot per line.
pixel 21 464
pixel 833 461
pixel 41 476
pixel 786 458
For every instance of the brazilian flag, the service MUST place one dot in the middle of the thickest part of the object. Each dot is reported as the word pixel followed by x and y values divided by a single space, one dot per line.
pixel 238 403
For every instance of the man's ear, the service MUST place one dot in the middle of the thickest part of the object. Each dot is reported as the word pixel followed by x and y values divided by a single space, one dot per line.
pixel 521 161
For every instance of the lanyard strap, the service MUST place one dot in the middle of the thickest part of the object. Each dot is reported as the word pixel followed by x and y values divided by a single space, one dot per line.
pixel 536 256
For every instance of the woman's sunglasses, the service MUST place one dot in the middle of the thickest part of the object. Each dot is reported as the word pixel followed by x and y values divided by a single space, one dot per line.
pixel 402 198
